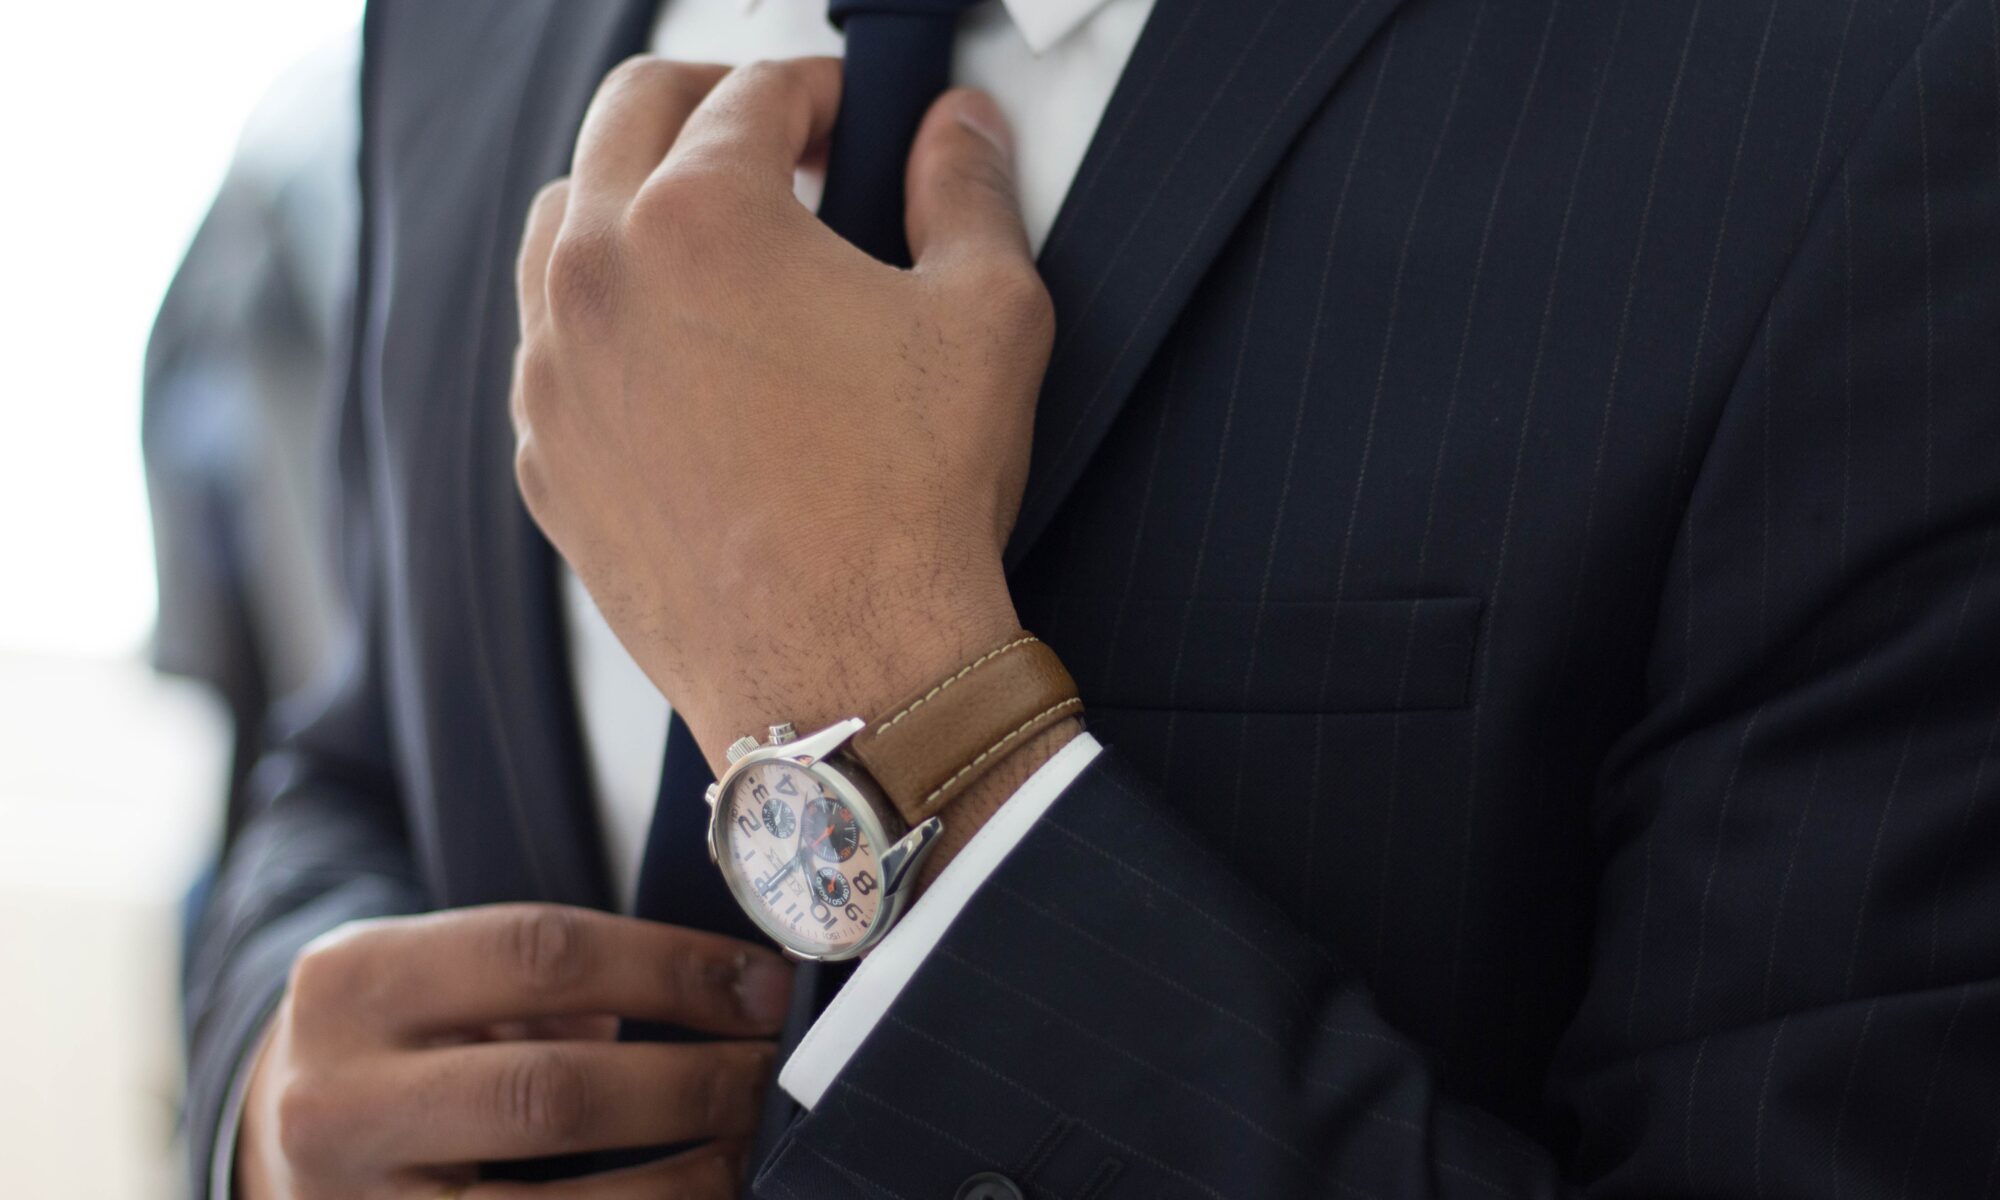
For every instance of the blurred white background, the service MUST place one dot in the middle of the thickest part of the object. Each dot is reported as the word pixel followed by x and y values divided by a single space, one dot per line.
pixel 117 119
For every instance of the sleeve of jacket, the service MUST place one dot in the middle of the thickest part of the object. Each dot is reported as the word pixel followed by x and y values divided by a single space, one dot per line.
pixel 325 841
pixel 1795 985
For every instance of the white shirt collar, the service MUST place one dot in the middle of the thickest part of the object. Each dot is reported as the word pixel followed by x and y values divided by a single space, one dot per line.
pixel 1042 23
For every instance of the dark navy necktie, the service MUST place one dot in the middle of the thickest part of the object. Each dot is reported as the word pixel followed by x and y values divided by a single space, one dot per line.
pixel 897 60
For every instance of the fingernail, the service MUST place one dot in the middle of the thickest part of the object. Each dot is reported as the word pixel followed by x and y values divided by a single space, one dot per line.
pixel 764 988
pixel 977 112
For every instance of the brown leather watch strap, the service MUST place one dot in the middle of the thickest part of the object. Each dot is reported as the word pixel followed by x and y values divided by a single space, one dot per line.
pixel 936 743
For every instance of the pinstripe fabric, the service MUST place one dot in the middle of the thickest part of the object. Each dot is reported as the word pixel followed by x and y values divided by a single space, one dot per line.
pixel 1518 487
pixel 1653 913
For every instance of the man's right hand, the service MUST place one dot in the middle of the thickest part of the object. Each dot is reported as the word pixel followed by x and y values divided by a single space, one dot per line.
pixel 408 1050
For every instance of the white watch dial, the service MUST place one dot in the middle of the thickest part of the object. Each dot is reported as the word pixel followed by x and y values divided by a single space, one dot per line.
pixel 798 859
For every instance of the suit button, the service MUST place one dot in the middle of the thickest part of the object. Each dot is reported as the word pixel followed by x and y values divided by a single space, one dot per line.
pixel 988 1186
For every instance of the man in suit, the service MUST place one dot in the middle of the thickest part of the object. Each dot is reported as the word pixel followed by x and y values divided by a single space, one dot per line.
pixel 1514 487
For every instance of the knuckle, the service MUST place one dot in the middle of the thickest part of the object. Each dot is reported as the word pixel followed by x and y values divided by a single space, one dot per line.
pixel 689 221
pixel 544 1096
pixel 535 383
pixel 708 1178
pixel 658 79
pixel 667 200
pixel 583 274
pixel 309 979
pixel 694 195
pixel 1012 291
pixel 693 984
pixel 546 947
pixel 717 1177
pixel 549 199
pixel 728 1095
pixel 341 975
pixel 632 71
pixel 1038 313
pixel 776 76
pixel 324 971
pixel 684 86
pixel 309 1121
pixel 530 479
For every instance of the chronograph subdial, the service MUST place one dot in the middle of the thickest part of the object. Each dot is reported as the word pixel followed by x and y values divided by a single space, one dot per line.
pixel 779 819
pixel 828 830
pixel 830 887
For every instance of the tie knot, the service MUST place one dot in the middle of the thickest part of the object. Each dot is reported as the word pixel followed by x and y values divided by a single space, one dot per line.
pixel 838 11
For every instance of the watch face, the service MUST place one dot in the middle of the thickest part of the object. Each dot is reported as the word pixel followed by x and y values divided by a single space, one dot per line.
pixel 798 858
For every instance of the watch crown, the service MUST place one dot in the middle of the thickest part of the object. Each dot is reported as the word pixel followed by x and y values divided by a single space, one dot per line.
pixel 782 733
pixel 740 747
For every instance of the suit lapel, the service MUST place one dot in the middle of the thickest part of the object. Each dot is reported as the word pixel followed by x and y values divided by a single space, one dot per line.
pixel 1214 94
pixel 515 622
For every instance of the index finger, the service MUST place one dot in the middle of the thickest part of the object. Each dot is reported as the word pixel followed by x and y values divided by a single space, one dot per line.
pixel 505 962
pixel 761 120
pixel 631 124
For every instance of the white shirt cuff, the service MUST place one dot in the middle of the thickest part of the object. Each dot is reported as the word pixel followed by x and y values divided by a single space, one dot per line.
pixel 880 978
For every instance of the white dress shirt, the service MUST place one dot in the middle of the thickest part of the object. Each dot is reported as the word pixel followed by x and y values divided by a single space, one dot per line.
pixel 1051 66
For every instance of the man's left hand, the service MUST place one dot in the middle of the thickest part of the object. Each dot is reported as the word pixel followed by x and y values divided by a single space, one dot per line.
pixel 784 470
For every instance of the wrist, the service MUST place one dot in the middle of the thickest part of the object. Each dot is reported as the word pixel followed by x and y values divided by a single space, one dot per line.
pixel 821 669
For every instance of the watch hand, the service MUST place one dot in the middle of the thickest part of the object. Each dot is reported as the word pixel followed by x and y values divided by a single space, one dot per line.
pixel 798 861
pixel 811 874
pixel 771 885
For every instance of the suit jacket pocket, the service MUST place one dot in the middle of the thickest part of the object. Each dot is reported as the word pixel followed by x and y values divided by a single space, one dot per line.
pixel 1295 656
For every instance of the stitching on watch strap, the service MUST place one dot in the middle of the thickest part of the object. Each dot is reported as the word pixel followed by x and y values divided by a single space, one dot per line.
pixel 967 669
pixel 1030 723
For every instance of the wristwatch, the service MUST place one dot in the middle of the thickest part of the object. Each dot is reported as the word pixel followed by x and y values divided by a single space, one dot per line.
pixel 819 837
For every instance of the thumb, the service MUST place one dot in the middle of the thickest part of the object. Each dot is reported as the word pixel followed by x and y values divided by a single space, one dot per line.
pixel 959 186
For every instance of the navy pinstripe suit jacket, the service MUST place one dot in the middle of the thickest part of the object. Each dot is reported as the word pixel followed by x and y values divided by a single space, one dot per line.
pixel 1518 486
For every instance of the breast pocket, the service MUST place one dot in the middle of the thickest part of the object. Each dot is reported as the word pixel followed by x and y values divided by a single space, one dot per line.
pixel 1233 656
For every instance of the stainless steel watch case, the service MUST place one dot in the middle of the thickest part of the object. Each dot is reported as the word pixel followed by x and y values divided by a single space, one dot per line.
pixel 902 850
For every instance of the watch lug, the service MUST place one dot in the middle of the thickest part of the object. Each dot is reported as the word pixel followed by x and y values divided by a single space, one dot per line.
pixel 900 861
pixel 816 746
